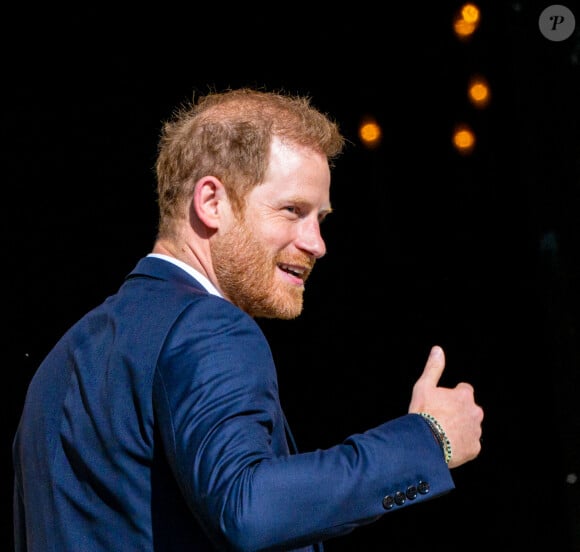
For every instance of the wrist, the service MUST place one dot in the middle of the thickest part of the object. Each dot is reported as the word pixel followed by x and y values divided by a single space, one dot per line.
pixel 439 434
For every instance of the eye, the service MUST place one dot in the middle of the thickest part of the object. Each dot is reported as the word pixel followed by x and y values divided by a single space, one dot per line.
pixel 293 209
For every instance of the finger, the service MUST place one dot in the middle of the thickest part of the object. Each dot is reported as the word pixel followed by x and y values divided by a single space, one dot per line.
pixel 465 385
pixel 433 367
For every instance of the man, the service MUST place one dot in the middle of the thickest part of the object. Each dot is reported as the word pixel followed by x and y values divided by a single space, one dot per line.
pixel 155 422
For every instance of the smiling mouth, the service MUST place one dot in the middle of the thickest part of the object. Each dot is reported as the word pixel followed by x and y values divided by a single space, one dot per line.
pixel 294 270
pixel 299 273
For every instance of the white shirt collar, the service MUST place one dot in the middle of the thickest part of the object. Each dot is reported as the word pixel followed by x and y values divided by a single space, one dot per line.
pixel 209 287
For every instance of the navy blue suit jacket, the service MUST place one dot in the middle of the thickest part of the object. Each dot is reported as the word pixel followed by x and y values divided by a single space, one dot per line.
pixel 155 425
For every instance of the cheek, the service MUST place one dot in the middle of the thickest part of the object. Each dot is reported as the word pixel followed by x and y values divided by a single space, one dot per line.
pixel 274 235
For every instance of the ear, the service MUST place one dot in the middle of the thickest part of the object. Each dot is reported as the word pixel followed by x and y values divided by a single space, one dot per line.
pixel 209 199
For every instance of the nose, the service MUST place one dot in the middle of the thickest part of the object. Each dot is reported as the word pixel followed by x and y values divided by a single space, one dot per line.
pixel 310 238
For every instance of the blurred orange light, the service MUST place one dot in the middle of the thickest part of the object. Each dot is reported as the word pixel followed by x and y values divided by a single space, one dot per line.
pixel 478 91
pixel 470 13
pixel 370 133
pixel 463 139
pixel 466 20
pixel 463 28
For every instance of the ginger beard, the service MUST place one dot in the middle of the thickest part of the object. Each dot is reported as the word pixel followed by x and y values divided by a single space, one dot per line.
pixel 247 275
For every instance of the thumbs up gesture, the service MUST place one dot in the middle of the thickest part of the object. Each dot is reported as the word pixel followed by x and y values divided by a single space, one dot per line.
pixel 454 409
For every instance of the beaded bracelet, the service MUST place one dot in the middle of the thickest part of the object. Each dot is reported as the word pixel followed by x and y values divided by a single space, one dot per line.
pixel 439 434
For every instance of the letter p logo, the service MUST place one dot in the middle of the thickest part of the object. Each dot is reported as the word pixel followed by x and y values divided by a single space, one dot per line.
pixel 557 22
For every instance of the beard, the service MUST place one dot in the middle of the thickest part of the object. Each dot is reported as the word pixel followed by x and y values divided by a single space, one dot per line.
pixel 246 273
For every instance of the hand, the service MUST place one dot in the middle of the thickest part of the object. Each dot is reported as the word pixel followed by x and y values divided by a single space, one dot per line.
pixel 455 409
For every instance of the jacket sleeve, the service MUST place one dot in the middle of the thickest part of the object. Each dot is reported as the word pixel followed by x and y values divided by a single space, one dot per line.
pixel 222 427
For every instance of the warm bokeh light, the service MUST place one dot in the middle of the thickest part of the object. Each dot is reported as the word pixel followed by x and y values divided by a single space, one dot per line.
pixel 470 13
pixel 466 21
pixel 478 91
pixel 370 133
pixel 463 139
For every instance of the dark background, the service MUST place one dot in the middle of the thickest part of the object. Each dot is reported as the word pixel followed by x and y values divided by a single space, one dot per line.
pixel 478 253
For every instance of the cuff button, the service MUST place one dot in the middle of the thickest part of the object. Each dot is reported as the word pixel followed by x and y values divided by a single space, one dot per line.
pixel 388 502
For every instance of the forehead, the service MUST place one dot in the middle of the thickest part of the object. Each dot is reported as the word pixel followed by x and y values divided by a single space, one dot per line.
pixel 297 171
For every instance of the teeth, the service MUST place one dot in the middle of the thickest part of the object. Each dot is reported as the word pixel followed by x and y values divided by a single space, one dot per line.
pixel 293 270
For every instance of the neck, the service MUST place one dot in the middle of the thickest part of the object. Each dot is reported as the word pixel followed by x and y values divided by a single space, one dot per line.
pixel 198 259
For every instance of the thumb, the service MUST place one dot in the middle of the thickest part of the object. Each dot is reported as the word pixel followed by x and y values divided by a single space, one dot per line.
pixel 433 367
